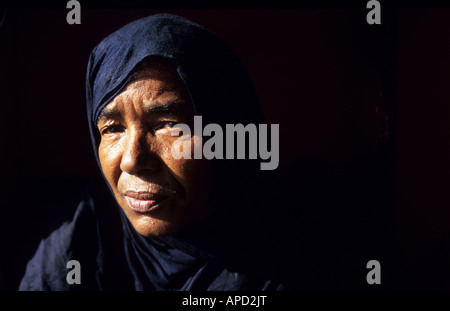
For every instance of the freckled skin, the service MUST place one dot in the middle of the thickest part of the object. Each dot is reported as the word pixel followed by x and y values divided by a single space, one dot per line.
pixel 135 154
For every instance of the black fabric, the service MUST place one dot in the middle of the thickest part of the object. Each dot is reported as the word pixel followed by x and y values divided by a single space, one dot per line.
pixel 236 248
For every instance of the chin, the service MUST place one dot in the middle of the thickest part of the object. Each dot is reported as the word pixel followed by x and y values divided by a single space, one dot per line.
pixel 149 226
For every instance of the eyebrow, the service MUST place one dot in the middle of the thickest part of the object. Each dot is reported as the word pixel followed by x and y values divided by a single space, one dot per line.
pixel 172 107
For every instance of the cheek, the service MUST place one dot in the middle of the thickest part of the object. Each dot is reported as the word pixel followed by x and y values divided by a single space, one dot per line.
pixel 192 174
pixel 180 168
pixel 110 157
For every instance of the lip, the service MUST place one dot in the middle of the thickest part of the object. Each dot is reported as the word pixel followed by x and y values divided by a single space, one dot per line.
pixel 144 202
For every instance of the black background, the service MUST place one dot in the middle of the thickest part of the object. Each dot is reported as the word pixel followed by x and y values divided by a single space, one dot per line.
pixel 363 129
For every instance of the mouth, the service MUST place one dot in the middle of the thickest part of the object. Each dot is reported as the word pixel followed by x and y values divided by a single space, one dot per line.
pixel 144 202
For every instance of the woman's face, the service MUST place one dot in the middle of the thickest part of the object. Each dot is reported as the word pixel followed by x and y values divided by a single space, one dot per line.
pixel 158 193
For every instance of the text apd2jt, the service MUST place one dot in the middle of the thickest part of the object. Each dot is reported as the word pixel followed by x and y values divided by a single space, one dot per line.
pixel 255 301
pixel 213 147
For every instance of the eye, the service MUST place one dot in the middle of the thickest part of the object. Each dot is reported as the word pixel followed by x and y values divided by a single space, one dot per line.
pixel 112 129
pixel 166 125
pixel 169 127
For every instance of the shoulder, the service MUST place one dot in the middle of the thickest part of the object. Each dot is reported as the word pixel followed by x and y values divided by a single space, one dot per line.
pixel 71 240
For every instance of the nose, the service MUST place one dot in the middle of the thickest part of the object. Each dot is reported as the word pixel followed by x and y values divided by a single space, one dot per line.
pixel 138 158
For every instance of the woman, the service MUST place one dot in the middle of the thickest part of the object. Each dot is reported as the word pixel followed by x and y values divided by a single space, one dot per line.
pixel 189 224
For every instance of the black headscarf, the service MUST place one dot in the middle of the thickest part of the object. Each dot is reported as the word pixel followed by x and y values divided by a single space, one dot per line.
pixel 236 252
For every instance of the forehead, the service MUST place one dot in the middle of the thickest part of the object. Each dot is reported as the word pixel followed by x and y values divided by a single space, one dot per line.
pixel 147 90
pixel 152 84
pixel 148 96
pixel 155 68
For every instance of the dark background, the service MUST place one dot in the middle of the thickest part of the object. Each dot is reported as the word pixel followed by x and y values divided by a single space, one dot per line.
pixel 363 125
pixel 422 153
